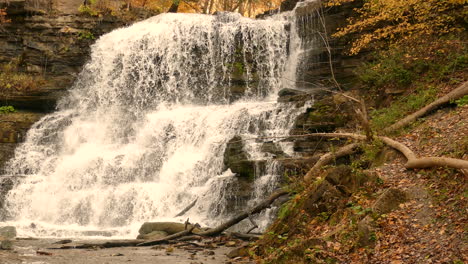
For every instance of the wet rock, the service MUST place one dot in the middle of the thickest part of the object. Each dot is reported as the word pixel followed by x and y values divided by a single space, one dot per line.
pixel 153 235
pixel 389 200
pixel 236 159
pixel 6 244
pixel 325 115
pixel 292 95
pixel 272 148
pixel 6 184
pixel 48 46
pixel 166 227
pixel 98 233
pixel 7 232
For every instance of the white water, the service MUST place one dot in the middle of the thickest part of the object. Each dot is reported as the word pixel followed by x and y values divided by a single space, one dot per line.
pixel 143 131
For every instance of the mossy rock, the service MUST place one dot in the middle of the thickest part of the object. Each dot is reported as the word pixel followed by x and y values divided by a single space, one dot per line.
pixel 323 116
pixel 166 227
pixel 236 159
pixel 153 235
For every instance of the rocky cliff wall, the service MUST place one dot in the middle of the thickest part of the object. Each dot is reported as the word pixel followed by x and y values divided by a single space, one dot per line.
pixel 49 46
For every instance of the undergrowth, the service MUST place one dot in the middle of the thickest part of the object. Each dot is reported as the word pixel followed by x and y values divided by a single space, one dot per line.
pixel 401 107
pixel 408 76
pixel 13 82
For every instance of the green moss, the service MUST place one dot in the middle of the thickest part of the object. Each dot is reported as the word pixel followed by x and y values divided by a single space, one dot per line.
pixel 86 35
pixel 7 109
pixel 462 101
pixel 404 105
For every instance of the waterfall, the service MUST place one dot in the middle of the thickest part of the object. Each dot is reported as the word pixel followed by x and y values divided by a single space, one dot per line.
pixel 142 132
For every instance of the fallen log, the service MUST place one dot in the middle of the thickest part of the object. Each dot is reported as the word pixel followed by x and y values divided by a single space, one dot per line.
pixel 413 162
pixel 186 209
pixel 459 92
pixel 108 244
pixel 257 209
pixel 186 234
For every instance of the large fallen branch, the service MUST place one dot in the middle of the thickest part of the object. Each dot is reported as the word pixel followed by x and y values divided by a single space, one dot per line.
pixel 257 209
pixel 329 157
pixel 186 209
pixel 459 92
pixel 413 161
pixel 108 244
pixel 186 233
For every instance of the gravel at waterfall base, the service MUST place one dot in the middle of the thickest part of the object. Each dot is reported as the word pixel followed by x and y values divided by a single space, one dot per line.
pixel 45 251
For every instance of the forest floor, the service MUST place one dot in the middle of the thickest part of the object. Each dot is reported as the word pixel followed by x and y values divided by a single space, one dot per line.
pixel 44 251
pixel 427 221
pixel 430 227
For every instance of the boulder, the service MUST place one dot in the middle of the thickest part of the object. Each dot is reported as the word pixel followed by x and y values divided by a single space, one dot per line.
pixel 324 199
pixel 272 148
pixel 7 232
pixel 153 235
pixel 236 159
pixel 167 227
pixel 6 244
pixel 389 200
pixel 292 95
pixel 325 115
pixel 238 252
pixel 366 232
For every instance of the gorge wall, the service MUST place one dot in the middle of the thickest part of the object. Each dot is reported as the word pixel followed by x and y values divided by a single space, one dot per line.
pixel 55 47
pixel 50 41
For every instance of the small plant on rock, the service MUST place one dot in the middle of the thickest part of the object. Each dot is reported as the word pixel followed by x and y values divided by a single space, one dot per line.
pixel 7 109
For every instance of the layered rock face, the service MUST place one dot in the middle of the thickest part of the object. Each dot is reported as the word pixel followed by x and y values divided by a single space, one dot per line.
pixel 51 42
pixel 54 47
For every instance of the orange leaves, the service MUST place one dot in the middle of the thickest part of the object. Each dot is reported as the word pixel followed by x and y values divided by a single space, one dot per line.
pixel 3 18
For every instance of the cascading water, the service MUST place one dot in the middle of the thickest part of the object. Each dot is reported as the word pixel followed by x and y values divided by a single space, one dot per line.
pixel 143 131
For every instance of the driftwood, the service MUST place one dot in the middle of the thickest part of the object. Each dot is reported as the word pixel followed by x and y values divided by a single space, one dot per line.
pixel 108 244
pixel 257 209
pixel 459 92
pixel 186 234
pixel 186 209
pixel 190 238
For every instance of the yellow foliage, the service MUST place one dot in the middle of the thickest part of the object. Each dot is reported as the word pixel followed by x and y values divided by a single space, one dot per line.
pixel 248 8
pixel 395 20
